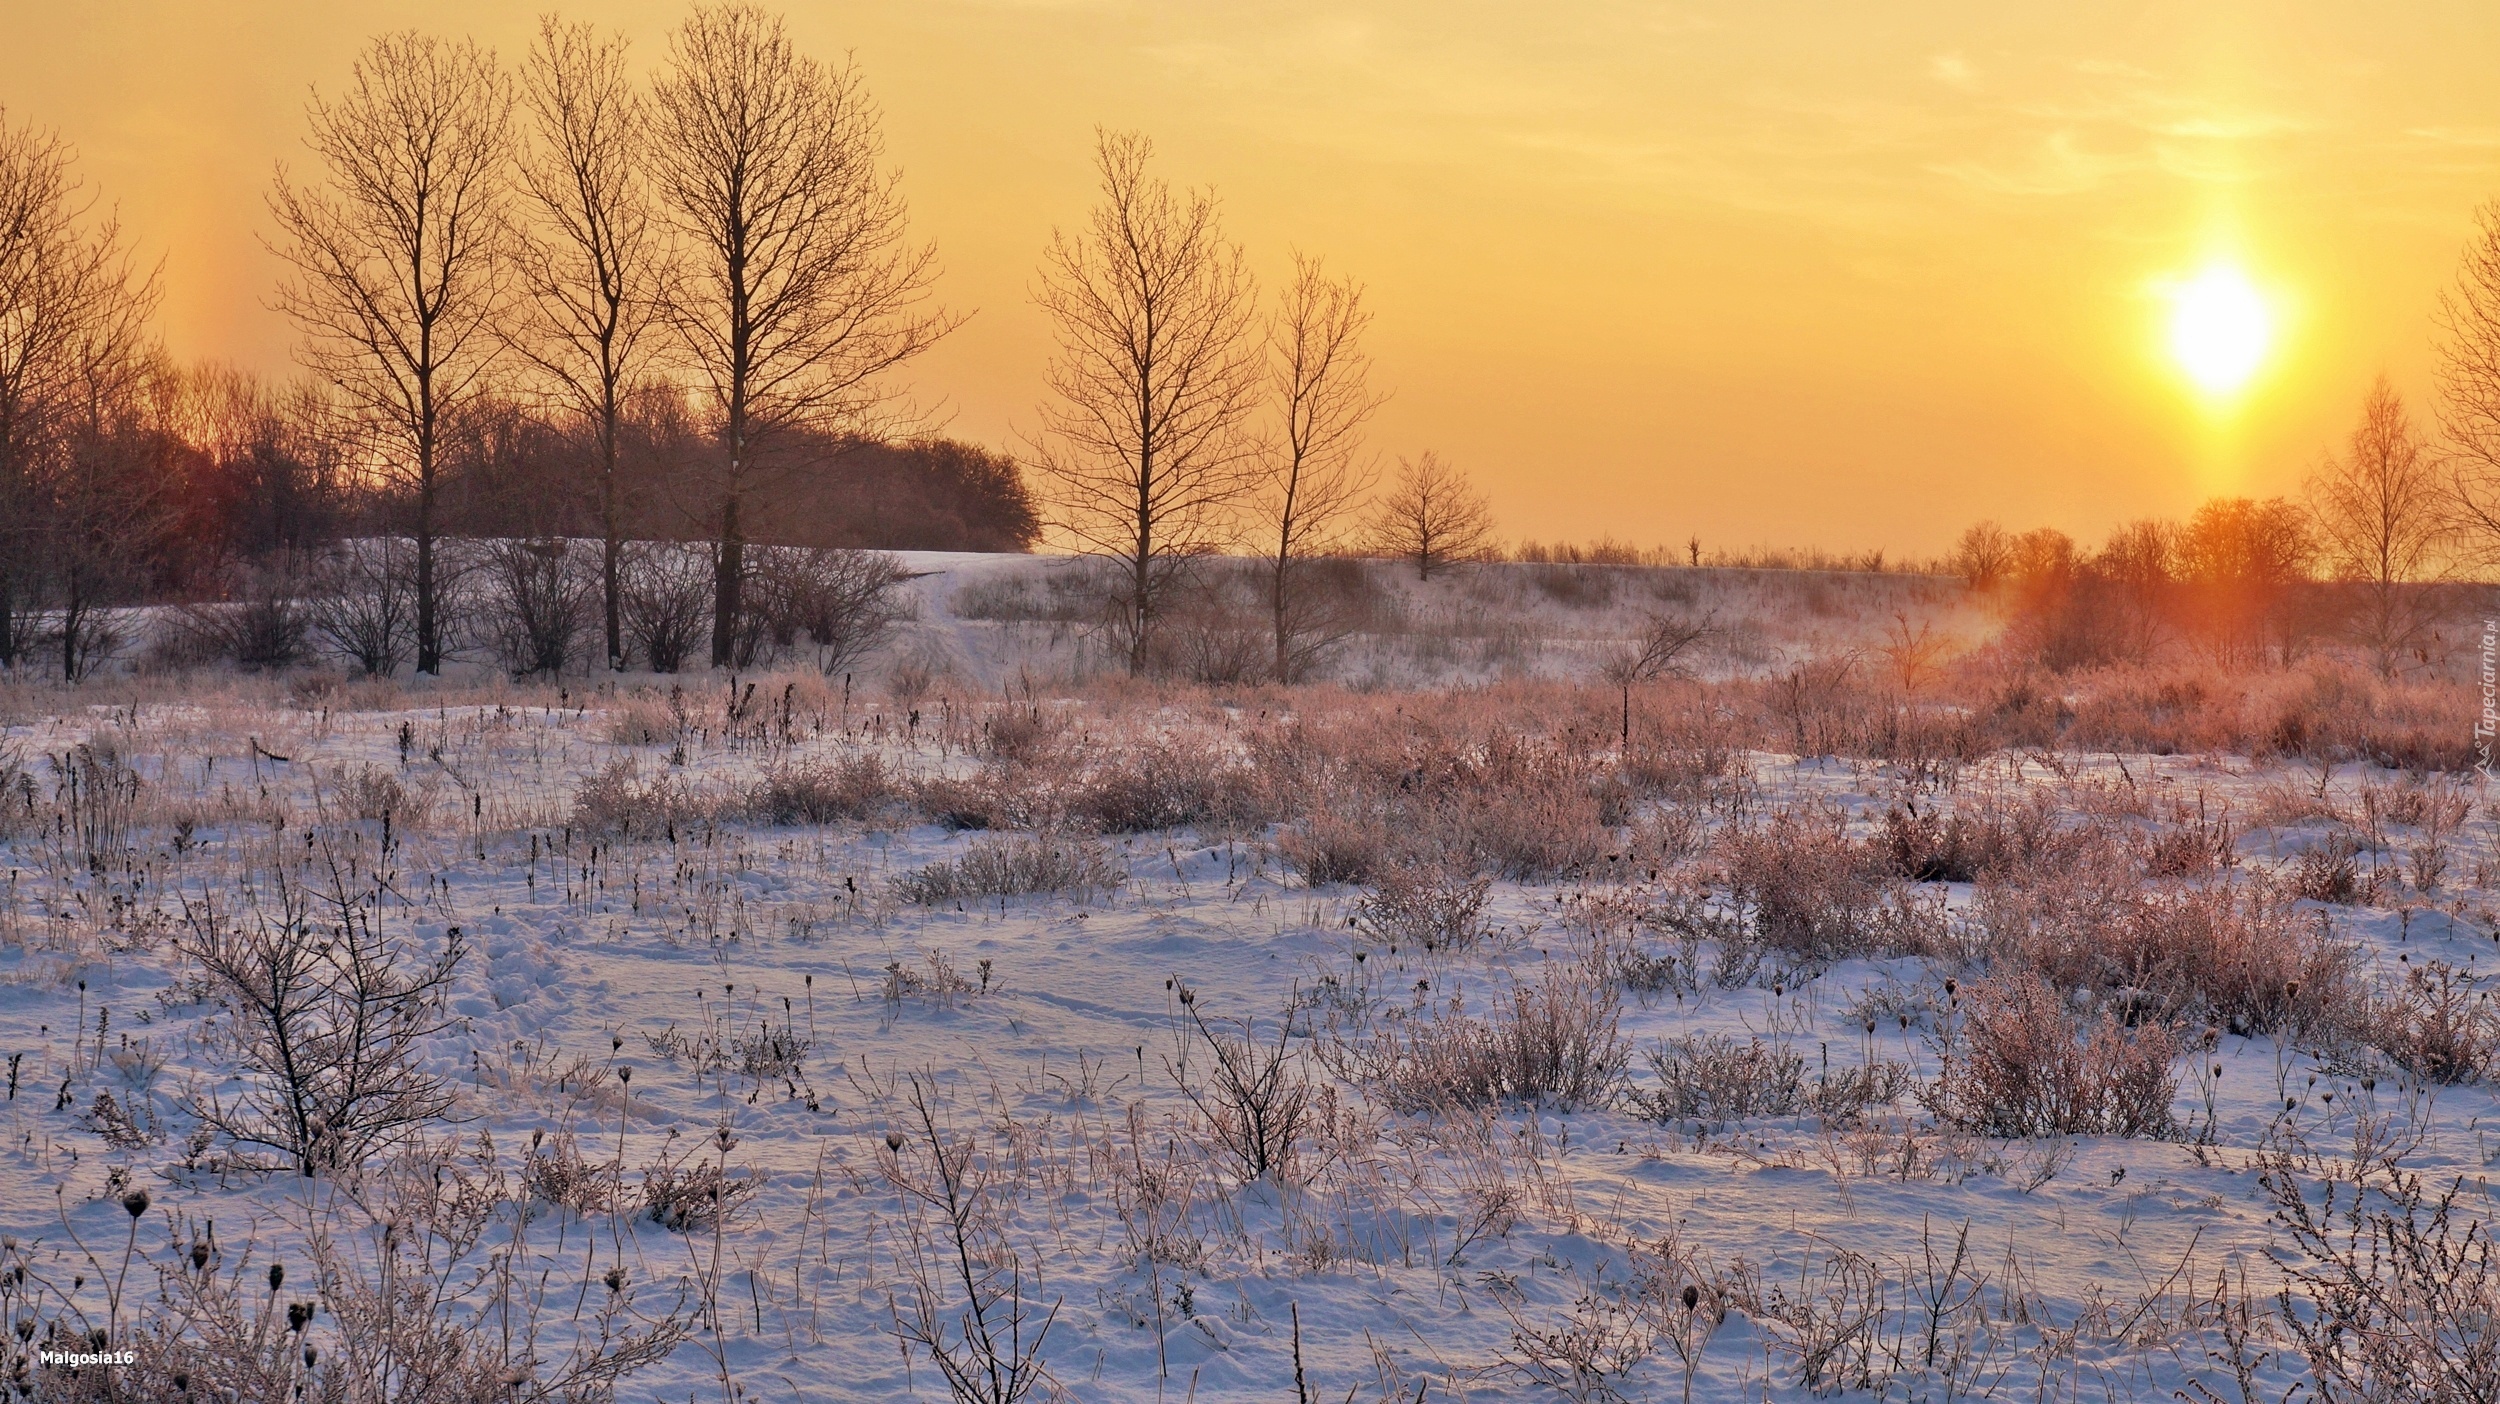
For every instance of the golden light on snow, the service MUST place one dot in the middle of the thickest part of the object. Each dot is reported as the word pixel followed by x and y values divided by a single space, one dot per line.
pixel 2219 329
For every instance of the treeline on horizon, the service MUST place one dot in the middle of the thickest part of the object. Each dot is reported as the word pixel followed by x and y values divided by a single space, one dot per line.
pixel 227 470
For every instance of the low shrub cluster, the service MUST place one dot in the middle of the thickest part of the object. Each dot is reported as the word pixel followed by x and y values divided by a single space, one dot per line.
pixel 1810 892
pixel 2018 1061
pixel 854 787
pixel 1556 1042
pixel 1715 1077
pixel 2238 954
pixel 1015 867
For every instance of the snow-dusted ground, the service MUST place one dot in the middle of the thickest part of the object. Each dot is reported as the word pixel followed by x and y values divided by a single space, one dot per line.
pixel 1415 1259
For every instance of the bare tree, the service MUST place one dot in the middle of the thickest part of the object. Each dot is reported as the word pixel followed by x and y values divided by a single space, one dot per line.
pixel 1157 371
pixel 334 1030
pixel 845 603
pixel 664 603
pixel 536 605
pixel 1657 650
pixel 800 291
pixel 2469 382
pixel 398 256
pixel 1982 556
pixel 1316 471
pixel 1433 518
pixel 989 1349
pixel 71 314
pixel 2382 517
pixel 592 260
pixel 2139 562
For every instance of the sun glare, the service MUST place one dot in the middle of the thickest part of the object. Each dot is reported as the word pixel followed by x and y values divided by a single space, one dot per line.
pixel 2219 328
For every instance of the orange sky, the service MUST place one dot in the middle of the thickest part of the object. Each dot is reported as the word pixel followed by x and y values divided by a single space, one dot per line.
pixel 1770 272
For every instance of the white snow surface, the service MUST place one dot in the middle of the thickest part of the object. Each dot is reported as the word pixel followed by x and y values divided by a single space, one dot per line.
pixel 1060 1068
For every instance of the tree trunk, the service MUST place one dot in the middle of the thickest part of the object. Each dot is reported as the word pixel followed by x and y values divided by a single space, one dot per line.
pixel 1276 602
pixel 728 576
pixel 429 641
pixel 615 547
pixel 73 615
pixel 1141 614
pixel 1141 566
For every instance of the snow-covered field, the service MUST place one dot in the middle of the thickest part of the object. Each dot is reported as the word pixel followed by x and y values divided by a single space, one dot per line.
pixel 748 1066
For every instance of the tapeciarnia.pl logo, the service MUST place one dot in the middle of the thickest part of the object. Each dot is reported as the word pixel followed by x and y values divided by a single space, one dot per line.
pixel 2488 725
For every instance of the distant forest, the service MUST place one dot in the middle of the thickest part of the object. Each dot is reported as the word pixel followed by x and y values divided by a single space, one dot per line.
pixel 231 472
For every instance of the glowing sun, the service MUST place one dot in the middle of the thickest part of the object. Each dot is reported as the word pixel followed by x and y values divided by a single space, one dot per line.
pixel 2219 329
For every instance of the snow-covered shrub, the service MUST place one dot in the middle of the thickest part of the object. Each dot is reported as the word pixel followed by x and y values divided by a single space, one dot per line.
pixel 664 602
pixel 858 786
pixel 2330 872
pixel 1715 1077
pixel 1331 846
pixel 554 1171
pixel 2436 1021
pixel 2019 1062
pixel 332 1032
pixel 540 598
pixel 843 605
pixel 1257 1102
pixel 1984 833
pixel 693 1198
pixel 1165 783
pixel 2400 1293
pixel 975 1296
pixel 364 603
pixel 1813 894
pixel 644 720
pixel 618 801
pixel 267 626
pixel 2239 954
pixel 1555 1042
pixel 1430 907
pixel 1015 867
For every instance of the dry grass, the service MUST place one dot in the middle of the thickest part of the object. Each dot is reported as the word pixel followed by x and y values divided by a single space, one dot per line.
pixel 1553 1042
pixel 2019 1062
pixel 1015 867
pixel 1716 1077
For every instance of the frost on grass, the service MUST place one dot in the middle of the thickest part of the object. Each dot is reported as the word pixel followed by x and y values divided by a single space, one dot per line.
pixel 1830 1022
pixel 1015 867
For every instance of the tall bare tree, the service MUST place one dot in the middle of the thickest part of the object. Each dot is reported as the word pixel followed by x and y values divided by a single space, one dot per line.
pixel 2468 371
pixel 800 290
pixel 398 255
pixel 1144 452
pixel 1433 518
pixel 72 311
pixel 1316 473
pixel 2382 518
pixel 591 259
